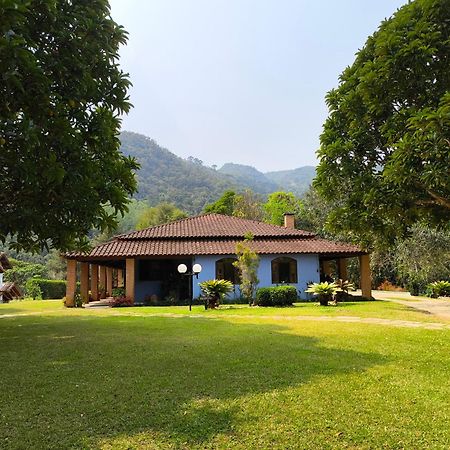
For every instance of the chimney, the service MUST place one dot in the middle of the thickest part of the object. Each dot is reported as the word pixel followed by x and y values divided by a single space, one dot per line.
pixel 289 220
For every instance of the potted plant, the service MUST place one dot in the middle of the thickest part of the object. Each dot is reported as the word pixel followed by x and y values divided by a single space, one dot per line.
pixel 325 291
pixel 215 290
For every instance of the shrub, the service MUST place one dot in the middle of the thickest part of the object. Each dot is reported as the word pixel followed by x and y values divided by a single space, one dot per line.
pixel 47 288
pixel 438 289
pixel 388 286
pixel 325 291
pixel 121 301
pixel 276 296
pixel 215 290
pixel 118 292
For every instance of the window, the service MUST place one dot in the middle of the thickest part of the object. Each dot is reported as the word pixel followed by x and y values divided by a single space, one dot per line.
pixel 226 271
pixel 284 270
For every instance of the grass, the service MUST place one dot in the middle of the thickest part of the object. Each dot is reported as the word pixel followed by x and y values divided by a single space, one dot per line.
pixel 90 379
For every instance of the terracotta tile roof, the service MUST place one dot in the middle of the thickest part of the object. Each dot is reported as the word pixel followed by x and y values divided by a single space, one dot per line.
pixel 214 234
pixel 213 225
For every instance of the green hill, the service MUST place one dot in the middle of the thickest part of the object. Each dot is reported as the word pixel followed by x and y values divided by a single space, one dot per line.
pixel 165 177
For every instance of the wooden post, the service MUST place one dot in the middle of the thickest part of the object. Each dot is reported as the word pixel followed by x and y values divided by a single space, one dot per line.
pixel 102 281
pixel 84 281
pixel 366 279
pixel 326 267
pixel 71 283
pixel 94 281
pixel 109 281
pixel 342 265
pixel 119 278
pixel 130 278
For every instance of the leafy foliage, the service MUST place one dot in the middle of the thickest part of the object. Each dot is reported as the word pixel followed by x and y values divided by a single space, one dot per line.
pixel 280 203
pixel 384 152
pixel 38 288
pixel 22 271
pixel 248 205
pixel 423 258
pixel 276 296
pixel 247 263
pixel 325 291
pixel 438 289
pixel 62 94
pixel 157 215
pixel 215 291
pixel 224 205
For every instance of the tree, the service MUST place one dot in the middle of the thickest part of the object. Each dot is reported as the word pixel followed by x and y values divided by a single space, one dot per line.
pixel 157 215
pixel 224 205
pixel 248 205
pixel 280 203
pixel 423 257
pixel 247 263
pixel 384 153
pixel 62 96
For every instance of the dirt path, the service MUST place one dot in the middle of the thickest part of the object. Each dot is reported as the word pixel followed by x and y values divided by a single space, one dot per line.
pixel 436 306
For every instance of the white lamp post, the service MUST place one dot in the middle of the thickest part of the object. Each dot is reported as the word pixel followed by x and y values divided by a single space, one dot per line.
pixel 183 270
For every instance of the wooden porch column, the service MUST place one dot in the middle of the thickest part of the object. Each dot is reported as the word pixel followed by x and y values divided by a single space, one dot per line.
pixel 102 281
pixel 94 281
pixel 342 267
pixel 71 283
pixel 119 278
pixel 109 281
pixel 366 279
pixel 84 281
pixel 326 267
pixel 129 278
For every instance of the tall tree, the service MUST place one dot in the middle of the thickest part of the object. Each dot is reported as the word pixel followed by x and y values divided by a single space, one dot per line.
pixel 62 94
pixel 159 214
pixel 248 205
pixel 280 203
pixel 224 205
pixel 384 154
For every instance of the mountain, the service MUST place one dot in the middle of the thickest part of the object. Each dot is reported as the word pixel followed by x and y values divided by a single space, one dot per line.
pixel 165 177
pixel 253 178
pixel 295 180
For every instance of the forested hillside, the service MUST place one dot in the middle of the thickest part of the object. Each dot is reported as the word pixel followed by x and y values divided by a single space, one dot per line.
pixel 165 177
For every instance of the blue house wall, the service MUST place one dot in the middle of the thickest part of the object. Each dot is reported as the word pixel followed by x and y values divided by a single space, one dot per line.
pixel 308 271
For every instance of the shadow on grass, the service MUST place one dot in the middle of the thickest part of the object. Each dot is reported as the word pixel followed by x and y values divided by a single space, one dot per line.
pixel 81 382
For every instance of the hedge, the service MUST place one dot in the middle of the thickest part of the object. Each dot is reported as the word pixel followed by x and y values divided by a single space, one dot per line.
pixel 45 289
pixel 276 296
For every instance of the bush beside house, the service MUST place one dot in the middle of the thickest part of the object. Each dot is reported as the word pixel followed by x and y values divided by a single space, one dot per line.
pixel 39 288
pixel 276 296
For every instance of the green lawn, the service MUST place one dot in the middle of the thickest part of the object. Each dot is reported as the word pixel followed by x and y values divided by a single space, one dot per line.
pixel 90 379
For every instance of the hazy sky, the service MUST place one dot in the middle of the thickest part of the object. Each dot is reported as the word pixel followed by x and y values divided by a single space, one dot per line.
pixel 240 81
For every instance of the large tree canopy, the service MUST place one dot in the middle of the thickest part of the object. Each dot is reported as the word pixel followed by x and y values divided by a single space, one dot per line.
pixel 62 94
pixel 385 147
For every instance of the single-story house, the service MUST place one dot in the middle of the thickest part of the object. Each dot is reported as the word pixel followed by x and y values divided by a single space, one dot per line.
pixel 145 262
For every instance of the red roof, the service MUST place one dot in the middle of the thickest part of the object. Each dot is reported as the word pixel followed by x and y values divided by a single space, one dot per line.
pixel 213 225
pixel 215 234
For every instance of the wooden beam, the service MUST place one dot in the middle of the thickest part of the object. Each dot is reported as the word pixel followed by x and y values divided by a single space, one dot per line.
pixel 130 278
pixel 109 281
pixel 120 278
pixel 342 267
pixel 326 267
pixel 102 281
pixel 366 278
pixel 94 282
pixel 71 282
pixel 84 281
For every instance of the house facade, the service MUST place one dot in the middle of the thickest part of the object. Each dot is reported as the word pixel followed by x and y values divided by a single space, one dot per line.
pixel 145 262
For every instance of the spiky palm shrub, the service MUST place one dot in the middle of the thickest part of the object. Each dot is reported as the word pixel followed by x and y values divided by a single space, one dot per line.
pixel 343 286
pixel 215 290
pixel 324 291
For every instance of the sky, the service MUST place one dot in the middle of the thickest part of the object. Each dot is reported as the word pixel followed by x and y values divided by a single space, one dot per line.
pixel 240 81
